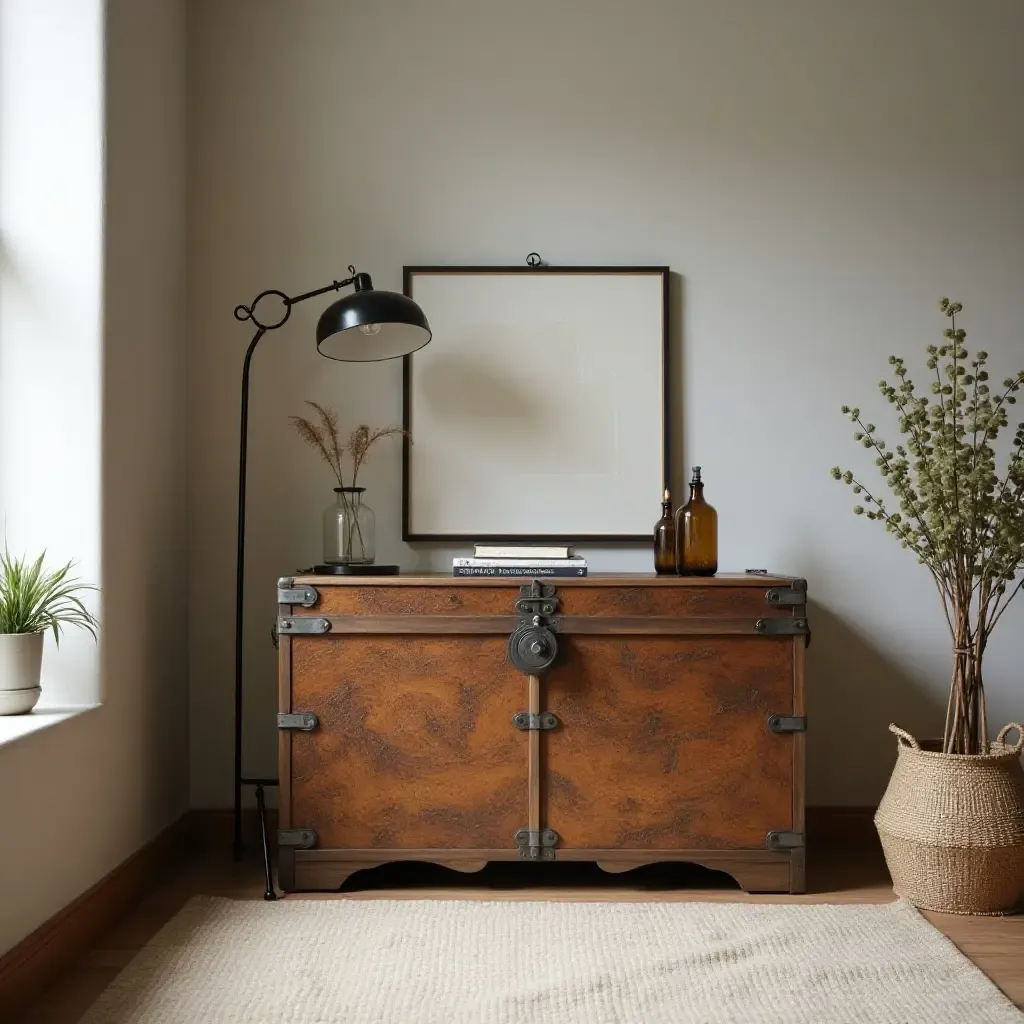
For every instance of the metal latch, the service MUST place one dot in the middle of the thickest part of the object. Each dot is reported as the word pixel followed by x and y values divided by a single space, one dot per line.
pixel 304 721
pixel 527 720
pixel 537 598
pixel 787 723
pixel 299 838
pixel 536 844
pixel 303 624
pixel 782 626
pixel 784 840
pixel 794 595
pixel 288 593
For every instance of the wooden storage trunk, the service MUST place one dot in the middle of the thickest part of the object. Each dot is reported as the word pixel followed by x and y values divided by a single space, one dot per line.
pixel 669 726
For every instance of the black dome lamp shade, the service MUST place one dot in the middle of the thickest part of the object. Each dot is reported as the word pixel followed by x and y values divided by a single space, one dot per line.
pixel 370 325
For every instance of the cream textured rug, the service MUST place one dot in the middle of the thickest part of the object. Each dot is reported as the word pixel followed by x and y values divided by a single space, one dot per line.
pixel 466 962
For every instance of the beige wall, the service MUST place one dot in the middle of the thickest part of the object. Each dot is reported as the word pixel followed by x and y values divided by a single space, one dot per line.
pixel 818 173
pixel 81 796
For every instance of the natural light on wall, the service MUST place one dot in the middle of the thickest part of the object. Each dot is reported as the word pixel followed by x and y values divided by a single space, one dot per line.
pixel 51 177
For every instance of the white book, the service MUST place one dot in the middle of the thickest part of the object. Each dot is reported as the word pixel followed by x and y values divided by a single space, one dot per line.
pixel 522 551
pixel 521 563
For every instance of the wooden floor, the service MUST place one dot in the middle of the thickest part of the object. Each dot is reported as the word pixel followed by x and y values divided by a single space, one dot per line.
pixel 995 944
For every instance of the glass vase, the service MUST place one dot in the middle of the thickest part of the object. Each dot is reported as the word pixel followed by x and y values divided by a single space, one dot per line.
pixel 349 527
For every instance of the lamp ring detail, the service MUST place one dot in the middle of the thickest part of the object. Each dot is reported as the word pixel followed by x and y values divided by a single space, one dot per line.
pixel 249 312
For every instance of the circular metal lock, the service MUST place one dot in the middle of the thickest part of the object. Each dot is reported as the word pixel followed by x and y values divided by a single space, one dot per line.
pixel 532 649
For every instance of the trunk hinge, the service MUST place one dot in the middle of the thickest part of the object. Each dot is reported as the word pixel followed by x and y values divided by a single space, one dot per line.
pixel 289 593
pixel 536 844
pixel 784 840
pixel 299 838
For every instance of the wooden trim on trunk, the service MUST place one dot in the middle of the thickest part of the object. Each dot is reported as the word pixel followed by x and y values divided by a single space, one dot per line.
pixel 610 579
pixel 284 738
pixel 424 624
pixel 824 826
pixel 534 774
pixel 798 864
pixel 591 625
pixel 28 969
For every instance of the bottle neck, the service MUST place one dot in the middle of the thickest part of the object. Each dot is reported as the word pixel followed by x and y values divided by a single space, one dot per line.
pixel 696 494
pixel 666 510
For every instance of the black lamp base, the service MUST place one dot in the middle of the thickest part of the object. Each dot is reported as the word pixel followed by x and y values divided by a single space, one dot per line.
pixel 355 570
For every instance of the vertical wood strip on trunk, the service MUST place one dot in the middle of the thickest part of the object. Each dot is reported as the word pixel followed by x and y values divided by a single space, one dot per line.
pixel 534 768
pixel 284 736
pixel 285 855
pixel 798 858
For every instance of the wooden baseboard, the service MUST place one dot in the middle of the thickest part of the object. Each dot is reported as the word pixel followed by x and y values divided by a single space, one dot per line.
pixel 841 826
pixel 213 828
pixel 29 968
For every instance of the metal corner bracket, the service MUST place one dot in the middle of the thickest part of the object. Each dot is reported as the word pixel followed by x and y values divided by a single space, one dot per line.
pixel 784 840
pixel 787 723
pixel 793 596
pixel 303 721
pixel 297 838
pixel 289 593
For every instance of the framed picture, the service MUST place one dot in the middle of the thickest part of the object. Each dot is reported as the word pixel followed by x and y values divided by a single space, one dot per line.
pixel 540 408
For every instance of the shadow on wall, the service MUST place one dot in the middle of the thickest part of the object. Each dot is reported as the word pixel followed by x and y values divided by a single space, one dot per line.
pixel 853 692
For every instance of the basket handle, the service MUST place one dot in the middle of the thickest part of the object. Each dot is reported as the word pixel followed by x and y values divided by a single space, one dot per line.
pixel 1001 738
pixel 904 738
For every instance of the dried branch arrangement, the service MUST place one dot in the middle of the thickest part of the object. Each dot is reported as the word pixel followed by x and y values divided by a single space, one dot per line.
pixel 962 519
pixel 323 434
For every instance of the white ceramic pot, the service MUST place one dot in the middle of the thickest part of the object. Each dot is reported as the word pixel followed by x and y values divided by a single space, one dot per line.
pixel 21 661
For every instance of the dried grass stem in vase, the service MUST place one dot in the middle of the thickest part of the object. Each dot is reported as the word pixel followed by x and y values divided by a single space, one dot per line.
pixel 321 432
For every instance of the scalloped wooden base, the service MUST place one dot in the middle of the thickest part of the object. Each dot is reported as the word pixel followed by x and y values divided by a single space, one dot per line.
pixel 753 870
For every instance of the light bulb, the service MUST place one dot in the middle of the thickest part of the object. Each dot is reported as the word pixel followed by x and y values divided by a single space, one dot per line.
pixel 370 330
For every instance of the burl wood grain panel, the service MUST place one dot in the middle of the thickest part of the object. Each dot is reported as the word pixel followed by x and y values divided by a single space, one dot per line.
pixel 707 601
pixel 416 746
pixel 433 600
pixel 669 602
pixel 663 742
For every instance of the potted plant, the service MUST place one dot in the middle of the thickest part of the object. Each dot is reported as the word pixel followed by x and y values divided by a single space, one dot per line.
pixel 952 818
pixel 32 601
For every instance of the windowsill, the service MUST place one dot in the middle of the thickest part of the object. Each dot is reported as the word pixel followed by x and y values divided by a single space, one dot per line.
pixel 14 727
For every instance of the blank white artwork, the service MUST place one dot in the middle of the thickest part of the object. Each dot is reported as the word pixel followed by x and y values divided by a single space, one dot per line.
pixel 537 407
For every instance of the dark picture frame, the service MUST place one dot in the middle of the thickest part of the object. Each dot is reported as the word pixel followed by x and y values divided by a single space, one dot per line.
pixel 650 501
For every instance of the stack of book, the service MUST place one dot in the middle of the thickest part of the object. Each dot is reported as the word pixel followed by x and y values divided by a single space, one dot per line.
pixel 520 560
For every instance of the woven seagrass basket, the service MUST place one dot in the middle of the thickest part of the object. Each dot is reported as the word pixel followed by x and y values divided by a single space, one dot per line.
pixel 952 826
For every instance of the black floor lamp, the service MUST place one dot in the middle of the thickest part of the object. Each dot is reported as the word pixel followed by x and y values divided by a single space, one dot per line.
pixel 363 327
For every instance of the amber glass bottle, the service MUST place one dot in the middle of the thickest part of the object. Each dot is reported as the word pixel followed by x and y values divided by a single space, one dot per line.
pixel 665 538
pixel 696 533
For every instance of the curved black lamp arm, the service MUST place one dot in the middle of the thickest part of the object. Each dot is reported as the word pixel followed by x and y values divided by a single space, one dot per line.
pixel 249 313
